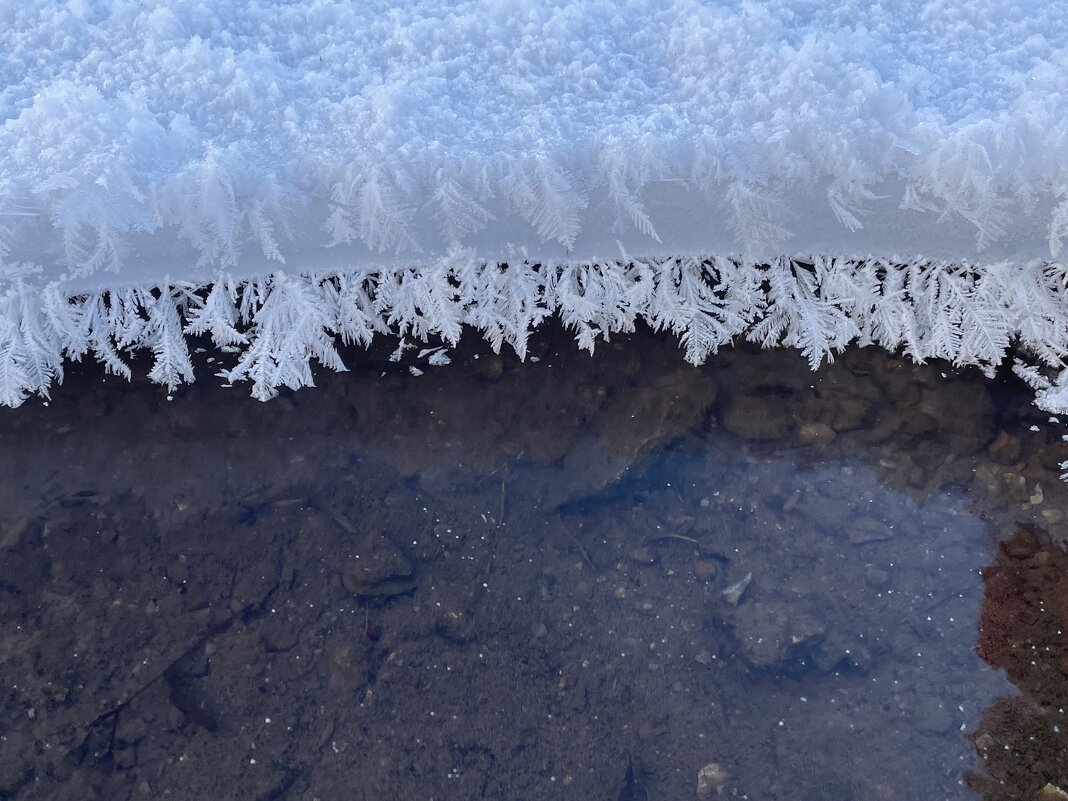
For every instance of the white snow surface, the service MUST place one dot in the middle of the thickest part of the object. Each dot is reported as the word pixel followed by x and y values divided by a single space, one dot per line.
pixel 280 174
pixel 154 139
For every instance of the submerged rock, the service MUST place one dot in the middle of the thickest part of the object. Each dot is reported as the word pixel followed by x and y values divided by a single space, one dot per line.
pixel 1005 449
pixel 733 594
pixel 772 636
pixel 1014 486
pixel 711 780
pixel 867 529
pixel 816 433
pixel 705 569
pixel 1051 793
pixel 760 414
pixel 378 569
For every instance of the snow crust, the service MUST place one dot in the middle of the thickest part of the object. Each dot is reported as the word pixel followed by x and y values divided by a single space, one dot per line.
pixel 279 174
pixel 150 139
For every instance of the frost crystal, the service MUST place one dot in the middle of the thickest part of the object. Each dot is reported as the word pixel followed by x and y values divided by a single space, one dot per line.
pixel 280 176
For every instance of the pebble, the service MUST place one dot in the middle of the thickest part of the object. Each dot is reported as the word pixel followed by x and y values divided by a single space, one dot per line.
pixel 1052 515
pixel 711 779
pixel 1005 449
pixel 876 576
pixel 1022 545
pixel 1038 496
pixel 1051 792
pixel 379 569
pixel 791 502
pixel 705 569
pixel 816 434
pixel 1015 487
pixel 733 594
pixel 757 415
pixel 933 719
pixel 866 529
pixel 774 635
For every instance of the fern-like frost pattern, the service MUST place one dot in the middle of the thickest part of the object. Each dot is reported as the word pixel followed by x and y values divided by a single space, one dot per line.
pixel 279 325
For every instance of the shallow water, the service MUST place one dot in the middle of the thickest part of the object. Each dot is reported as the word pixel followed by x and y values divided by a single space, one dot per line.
pixel 579 577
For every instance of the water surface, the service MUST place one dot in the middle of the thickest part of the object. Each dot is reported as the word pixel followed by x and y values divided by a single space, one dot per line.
pixel 579 577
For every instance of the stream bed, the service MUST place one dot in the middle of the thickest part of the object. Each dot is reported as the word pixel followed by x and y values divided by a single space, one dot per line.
pixel 614 577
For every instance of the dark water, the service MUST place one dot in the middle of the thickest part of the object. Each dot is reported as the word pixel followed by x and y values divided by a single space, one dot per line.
pixel 616 577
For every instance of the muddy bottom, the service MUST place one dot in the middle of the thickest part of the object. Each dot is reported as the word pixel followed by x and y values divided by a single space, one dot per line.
pixel 614 577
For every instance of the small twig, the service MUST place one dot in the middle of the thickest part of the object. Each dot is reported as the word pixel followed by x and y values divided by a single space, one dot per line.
pixel 504 479
pixel 581 550
pixel 578 545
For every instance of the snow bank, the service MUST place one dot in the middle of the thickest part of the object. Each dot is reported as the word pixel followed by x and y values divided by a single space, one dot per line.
pixel 278 175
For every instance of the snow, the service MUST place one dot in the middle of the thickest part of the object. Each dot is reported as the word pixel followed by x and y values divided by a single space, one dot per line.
pixel 245 134
pixel 279 174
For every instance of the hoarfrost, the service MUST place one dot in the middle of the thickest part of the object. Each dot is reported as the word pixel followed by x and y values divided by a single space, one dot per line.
pixel 280 176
